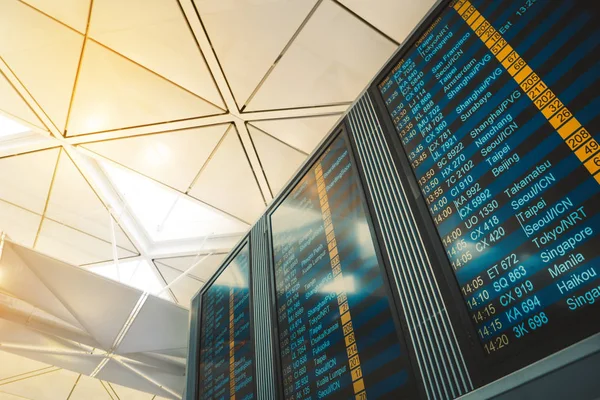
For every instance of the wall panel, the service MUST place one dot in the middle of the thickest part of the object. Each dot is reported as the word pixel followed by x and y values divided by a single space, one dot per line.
pixel 440 360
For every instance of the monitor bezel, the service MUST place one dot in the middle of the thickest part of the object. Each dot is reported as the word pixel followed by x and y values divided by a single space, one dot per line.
pixel 483 369
pixel 200 296
pixel 341 130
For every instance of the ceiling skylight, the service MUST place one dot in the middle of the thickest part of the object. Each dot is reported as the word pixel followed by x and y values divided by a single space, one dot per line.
pixel 137 274
pixel 10 128
pixel 18 137
pixel 166 214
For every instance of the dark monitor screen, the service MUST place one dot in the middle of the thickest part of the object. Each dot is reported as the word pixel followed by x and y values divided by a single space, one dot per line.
pixel 226 349
pixel 496 107
pixel 337 336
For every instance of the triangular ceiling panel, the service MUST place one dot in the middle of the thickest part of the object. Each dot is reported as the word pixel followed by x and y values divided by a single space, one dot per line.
pixel 249 35
pixel 184 289
pixel 136 273
pixel 20 225
pixel 173 158
pixel 83 363
pixel 46 323
pixel 399 18
pixel 18 335
pixel 101 305
pixel 19 281
pixel 74 246
pixel 157 362
pixel 278 160
pixel 29 179
pixel 74 203
pixel 203 271
pixel 90 389
pixel 53 385
pixel 227 178
pixel 44 58
pixel 165 379
pixel 13 366
pixel 187 287
pixel 301 133
pixel 327 69
pixel 115 372
pixel 36 319
pixel 125 393
pixel 70 12
pixel 179 353
pixel 167 322
pixel 155 34
pixel 113 92
pixel 166 214
pixel 13 105
pixel 8 396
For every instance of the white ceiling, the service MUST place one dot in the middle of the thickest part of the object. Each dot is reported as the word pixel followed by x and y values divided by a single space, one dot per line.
pixel 151 134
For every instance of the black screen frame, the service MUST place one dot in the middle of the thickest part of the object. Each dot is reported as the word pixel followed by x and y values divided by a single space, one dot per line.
pixel 465 339
pixel 192 385
pixel 341 130
pixel 483 369
pixel 200 295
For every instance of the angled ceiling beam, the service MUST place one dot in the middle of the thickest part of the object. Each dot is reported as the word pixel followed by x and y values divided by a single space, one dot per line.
pixel 205 46
pixel 175 367
pixel 30 374
pixel 151 128
pixel 302 112
pixel 60 331
pixel 254 161
pixel 58 298
pixel 158 249
pixel 282 53
pixel 366 22
pixel 28 98
pixel 102 158
pixel 48 350
pixel 146 377
pixel 186 272
pixel 215 245
pixel 116 206
pixel 85 39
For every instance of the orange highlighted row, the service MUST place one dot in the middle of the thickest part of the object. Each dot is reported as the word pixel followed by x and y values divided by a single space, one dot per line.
pixel 579 140
pixel 344 308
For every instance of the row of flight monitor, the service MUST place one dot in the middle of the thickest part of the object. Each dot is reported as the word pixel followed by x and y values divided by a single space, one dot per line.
pixel 337 332
pixel 491 110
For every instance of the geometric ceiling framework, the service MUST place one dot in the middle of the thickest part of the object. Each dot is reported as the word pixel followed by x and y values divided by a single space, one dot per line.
pixel 63 316
pixel 141 139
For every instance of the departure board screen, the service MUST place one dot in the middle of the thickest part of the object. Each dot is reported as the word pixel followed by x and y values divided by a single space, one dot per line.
pixel 337 336
pixel 226 350
pixel 496 106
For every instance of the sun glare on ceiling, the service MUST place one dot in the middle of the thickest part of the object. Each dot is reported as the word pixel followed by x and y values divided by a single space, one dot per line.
pixel 166 214
pixel 137 274
pixel 9 127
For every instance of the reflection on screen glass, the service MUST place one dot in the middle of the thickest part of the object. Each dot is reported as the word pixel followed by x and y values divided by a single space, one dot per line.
pixel 226 350
pixel 336 333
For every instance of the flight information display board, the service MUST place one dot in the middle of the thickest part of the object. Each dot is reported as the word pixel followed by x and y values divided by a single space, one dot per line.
pixel 497 109
pixel 226 350
pixel 337 336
